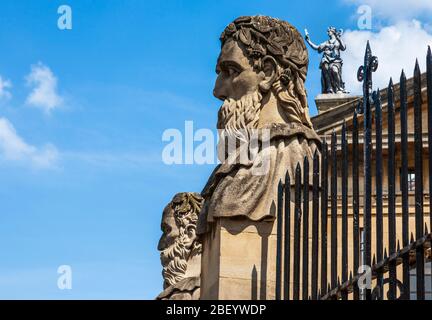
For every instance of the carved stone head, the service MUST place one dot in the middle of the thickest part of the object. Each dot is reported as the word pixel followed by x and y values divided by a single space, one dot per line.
pixel 261 71
pixel 179 247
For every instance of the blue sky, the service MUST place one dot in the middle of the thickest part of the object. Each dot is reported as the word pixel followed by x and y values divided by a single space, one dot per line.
pixel 83 182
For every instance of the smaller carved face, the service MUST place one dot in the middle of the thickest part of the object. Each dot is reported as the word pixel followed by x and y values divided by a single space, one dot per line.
pixel 236 75
pixel 178 244
pixel 170 231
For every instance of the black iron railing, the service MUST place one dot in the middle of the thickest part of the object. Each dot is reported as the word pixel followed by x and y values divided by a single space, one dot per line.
pixel 311 266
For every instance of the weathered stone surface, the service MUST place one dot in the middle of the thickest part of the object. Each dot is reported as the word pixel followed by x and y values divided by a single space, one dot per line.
pixel 261 69
pixel 186 289
pixel 241 261
pixel 180 248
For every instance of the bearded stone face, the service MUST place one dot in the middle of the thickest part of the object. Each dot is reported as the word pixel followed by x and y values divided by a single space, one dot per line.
pixel 169 229
pixel 178 244
pixel 261 71
pixel 237 85
pixel 236 75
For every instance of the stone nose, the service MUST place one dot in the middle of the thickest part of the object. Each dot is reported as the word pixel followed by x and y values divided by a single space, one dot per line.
pixel 161 244
pixel 219 90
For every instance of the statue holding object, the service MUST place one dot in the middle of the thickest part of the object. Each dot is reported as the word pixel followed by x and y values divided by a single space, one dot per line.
pixel 331 62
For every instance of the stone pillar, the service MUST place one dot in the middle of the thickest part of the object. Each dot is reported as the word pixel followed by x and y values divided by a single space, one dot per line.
pixel 239 260
pixel 237 225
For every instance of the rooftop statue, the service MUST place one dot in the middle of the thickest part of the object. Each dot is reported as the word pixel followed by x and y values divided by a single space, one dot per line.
pixel 331 62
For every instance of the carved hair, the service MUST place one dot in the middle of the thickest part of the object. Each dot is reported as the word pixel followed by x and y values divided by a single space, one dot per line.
pixel 186 206
pixel 334 31
pixel 265 36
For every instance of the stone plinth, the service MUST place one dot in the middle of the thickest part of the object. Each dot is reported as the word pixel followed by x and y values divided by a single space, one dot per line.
pixel 325 102
pixel 239 260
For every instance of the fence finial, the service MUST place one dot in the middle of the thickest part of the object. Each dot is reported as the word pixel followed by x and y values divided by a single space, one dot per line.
pixel 287 179
pixel 364 74
pixel 417 68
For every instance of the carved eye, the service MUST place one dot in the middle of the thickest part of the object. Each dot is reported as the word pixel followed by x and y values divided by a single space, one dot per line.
pixel 230 69
pixel 233 72
pixel 166 228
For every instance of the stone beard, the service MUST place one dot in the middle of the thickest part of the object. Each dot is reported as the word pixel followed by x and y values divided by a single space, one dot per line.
pixel 175 258
pixel 240 114
pixel 237 125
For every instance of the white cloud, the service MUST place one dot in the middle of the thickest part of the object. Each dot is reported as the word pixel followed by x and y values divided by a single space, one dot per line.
pixel 396 10
pixel 4 86
pixel 396 46
pixel 14 148
pixel 44 94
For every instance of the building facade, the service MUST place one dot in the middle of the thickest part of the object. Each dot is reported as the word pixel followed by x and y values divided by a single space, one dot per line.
pixel 333 114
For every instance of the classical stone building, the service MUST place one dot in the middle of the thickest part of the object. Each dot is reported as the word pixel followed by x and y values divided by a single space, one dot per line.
pixel 334 115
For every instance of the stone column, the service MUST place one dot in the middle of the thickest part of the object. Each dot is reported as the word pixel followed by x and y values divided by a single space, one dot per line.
pixel 239 260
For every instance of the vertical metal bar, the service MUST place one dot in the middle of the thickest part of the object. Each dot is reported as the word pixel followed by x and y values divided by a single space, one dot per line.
pixel 418 180
pixel 344 209
pixel 297 224
pixel 429 95
pixel 315 221
pixel 287 244
pixel 305 280
pixel 356 199
pixel 367 118
pixel 279 242
pixel 379 180
pixel 324 208
pixel 391 190
pixel 378 184
pixel 334 201
pixel 404 184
